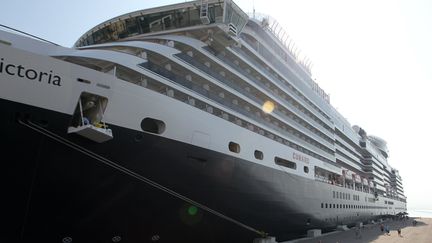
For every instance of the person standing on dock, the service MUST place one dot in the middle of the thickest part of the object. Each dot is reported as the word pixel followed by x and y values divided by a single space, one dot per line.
pixel 387 230
pixel 358 233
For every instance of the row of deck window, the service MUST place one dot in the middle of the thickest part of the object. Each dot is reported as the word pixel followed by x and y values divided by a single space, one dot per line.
pixel 341 195
pixel 235 148
pixel 350 206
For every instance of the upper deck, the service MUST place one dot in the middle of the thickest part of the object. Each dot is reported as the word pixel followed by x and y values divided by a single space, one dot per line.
pixel 176 17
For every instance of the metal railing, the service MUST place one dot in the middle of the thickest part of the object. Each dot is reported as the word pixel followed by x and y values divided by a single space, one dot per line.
pixel 286 103
pixel 226 103
pixel 286 89
pixel 241 90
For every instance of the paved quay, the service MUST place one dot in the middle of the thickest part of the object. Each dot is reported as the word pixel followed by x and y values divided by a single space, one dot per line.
pixel 420 233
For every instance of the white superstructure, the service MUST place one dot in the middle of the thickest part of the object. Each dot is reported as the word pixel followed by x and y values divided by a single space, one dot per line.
pixel 227 88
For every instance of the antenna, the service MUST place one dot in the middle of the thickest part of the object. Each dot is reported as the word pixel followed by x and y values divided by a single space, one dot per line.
pixel 253 8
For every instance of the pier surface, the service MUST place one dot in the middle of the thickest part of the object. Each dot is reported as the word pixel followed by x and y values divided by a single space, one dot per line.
pixel 420 233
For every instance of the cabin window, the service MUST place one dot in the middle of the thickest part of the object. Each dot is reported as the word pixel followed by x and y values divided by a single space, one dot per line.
pixel 259 155
pixel 234 147
pixel 152 125
pixel 306 169
pixel 285 163
pixel 83 80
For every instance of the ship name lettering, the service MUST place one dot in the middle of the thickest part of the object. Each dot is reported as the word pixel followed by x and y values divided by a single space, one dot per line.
pixel 301 158
pixel 29 73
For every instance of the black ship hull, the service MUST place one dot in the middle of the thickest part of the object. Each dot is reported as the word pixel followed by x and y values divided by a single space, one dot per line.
pixel 64 187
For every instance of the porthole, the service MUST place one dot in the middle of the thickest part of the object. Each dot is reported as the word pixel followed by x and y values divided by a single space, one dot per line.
pixel 306 169
pixel 234 147
pixel 258 155
pixel 152 125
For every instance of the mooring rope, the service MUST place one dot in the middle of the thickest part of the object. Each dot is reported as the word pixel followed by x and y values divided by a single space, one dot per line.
pixel 135 175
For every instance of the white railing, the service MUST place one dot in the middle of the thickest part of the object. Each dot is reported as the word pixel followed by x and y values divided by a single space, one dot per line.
pixel 281 34
pixel 293 52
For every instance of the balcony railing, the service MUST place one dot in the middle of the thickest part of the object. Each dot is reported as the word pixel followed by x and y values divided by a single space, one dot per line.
pixel 286 103
pixel 227 103
pixel 241 90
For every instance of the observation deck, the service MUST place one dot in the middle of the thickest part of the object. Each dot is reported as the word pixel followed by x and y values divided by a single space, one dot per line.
pixel 168 19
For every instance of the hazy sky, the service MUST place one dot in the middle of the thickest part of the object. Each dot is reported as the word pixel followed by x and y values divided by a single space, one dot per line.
pixel 372 56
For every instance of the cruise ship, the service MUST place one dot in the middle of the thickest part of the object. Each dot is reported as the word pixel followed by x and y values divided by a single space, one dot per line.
pixel 192 122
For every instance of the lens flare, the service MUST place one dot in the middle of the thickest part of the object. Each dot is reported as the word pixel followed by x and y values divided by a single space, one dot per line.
pixel 192 210
pixel 268 106
pixel 190 214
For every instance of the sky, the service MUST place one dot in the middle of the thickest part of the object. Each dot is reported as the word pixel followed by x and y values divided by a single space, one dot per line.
pixel 374 58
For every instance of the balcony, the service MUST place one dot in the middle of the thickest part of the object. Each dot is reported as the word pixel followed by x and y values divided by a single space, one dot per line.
pixel 228 104
pixel 295 124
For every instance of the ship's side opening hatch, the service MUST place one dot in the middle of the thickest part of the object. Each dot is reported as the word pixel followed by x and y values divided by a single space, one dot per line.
pixel 87 119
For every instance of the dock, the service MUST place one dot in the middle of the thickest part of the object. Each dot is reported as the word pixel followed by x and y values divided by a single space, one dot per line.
pixel 419 233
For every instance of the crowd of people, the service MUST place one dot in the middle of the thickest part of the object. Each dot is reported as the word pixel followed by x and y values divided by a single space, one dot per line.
pixel 385 228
